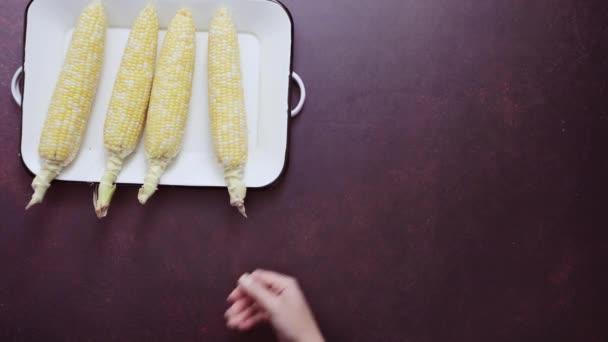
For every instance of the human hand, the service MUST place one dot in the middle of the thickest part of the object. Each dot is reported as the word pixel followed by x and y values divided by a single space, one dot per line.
pixel 265 296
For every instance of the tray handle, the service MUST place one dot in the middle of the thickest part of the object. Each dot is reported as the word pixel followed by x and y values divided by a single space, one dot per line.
pixel 16 90
pixel 15 87
pixel 296 78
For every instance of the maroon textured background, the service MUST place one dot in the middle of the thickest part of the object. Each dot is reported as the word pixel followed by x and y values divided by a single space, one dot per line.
pixel 447 182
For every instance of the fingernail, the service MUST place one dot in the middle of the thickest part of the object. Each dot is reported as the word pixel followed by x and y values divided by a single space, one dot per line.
pixel 245 280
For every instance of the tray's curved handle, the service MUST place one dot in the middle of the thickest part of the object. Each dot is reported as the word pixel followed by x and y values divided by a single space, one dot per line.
pixel 300 84
pixel 15 88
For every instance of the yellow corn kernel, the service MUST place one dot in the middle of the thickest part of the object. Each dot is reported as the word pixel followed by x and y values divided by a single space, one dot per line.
pixel 130 97
pixel 227 105
pixel 72 100
pixel 170 100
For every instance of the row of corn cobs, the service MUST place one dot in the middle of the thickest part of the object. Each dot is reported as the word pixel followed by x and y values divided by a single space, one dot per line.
pixel 148 91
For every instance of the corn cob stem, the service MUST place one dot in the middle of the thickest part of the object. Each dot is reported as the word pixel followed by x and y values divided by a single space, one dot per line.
pixel 236 189
pixel 107 185
pixel 155 171
pixel 42 182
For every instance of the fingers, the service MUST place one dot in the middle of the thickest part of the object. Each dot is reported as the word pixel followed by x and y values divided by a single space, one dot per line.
pixel 238 318
pixel 258 291
pixel 235 319
pixel 247 319
pixel 252 320
pixel 256 298
pixel 273 279
pixel 244 312
pixel 236 294
pixel 238 307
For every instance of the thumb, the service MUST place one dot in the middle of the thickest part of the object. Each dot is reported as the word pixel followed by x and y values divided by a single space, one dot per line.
pixel 260 293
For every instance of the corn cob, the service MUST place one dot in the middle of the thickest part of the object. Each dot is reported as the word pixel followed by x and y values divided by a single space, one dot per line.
pixel 130 97
pixel 227 105
pixel 71 103
pixel 170 100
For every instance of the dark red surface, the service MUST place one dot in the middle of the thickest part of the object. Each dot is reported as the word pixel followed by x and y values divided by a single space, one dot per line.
pixel 447 182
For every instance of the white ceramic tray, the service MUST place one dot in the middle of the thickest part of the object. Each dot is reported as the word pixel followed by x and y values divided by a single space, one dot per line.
pixel 266 41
